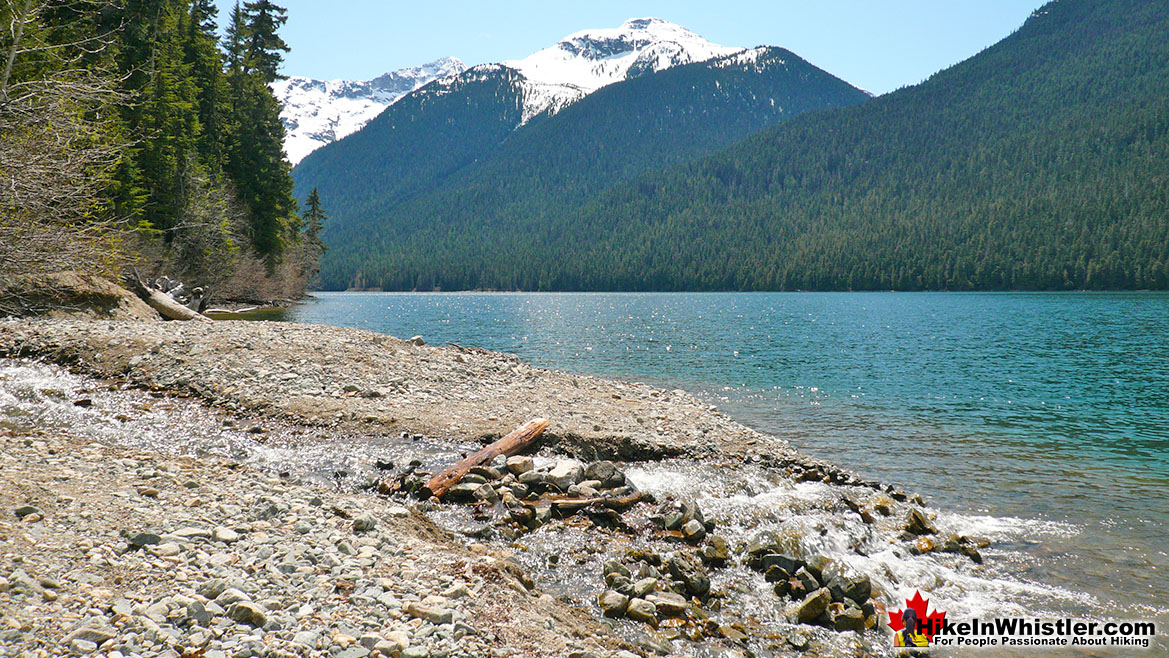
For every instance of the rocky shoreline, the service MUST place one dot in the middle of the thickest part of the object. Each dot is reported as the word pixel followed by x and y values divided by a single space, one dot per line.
pixel 113 550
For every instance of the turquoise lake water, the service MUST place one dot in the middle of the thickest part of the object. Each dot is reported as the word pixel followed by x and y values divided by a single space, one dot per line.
pixel 1049 409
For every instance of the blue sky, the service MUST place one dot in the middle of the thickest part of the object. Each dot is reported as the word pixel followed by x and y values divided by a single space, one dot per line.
pixel 879 46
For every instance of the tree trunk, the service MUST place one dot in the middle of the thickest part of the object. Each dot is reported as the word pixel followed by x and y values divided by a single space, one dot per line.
pixel 509 445
pixel 19 20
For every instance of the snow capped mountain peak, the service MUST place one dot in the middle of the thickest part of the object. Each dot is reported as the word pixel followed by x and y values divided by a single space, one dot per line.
pixel 585 61
pixel 591 59
pixel 316 112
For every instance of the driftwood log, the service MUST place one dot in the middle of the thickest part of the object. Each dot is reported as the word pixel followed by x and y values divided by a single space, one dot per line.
pixel 166 306
pixel 509 445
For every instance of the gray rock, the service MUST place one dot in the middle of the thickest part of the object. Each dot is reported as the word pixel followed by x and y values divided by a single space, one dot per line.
pixel 364 523
pixel 145 539
pixel 613 604
pixel 415 652
pixel 98 636
pixel 520 464
pixel 82 646
pixel 307 638
pixel 605 473
pixel 642 610
pixel 231 595
pixel 225 535
pixel 565 474
pixel 211 589
pixel 27 510
pixel 813 605
pixel 432 614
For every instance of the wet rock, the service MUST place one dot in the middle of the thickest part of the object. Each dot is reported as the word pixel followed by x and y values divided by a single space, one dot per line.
pixel 613 566
pixel 693 531
pixel 818 565
pixel 487 473
pixel 606 474
pixel 642 610
pixel 733 632
pixel 785 562
pixel 716 553
pixel 644 587
pixel 846 618
pixel 613 604
pixel 806 579
pixel 922 545
pixel 918 523
pixel 686 568
pixel 675 514
pixel 857 588
pixel 813 605
pixel 776 574
pixel 668 604
pixel 463 492
pixel 795 589
pixel 486 493
pixel 522 514
pixel 764 543
pixel 783 588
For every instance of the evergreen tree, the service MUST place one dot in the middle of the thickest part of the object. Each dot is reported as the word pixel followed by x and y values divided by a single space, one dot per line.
pixel 265 49
pixel 314 220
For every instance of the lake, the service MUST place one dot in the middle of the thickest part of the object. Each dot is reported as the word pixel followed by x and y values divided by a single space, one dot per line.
pixel 1049 411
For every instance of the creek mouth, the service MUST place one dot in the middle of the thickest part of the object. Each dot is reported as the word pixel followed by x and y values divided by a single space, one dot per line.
pixel 566 557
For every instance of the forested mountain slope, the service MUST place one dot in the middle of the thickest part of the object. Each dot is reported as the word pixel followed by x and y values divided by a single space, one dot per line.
pixel 540 172
pixel 1040 163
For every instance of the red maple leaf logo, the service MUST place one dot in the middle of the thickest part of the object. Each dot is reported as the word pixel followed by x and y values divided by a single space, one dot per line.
pixel 930 623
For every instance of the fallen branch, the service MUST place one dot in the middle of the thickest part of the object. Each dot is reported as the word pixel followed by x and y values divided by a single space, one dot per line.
pixel 509 445
pixel 161 302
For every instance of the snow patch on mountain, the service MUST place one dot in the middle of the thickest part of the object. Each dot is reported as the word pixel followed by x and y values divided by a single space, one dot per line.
pixel 317 112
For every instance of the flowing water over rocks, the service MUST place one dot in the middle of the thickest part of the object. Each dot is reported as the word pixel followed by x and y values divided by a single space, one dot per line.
pixel 155 501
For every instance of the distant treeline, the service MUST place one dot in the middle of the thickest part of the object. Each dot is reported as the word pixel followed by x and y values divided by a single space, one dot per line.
pixel 1040 163
pixel 129 127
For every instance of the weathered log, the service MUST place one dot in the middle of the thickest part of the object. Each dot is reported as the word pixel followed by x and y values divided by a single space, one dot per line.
pixel 509 445
pixel 162 302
